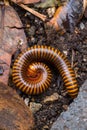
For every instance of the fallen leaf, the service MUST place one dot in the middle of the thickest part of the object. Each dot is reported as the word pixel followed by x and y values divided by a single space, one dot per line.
pixel 12 35
pixel 14 114
pixel 12 38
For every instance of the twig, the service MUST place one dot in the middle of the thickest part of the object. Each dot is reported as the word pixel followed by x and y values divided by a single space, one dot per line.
pixel 72 58
pixel 39 15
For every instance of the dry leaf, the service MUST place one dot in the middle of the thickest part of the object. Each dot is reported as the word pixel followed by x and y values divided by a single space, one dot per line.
pixel 14 114
pixel 12 35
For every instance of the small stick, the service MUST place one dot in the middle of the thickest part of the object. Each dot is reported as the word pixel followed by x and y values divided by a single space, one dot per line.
pixel 72 58
pixel 39 15
pixel 73 65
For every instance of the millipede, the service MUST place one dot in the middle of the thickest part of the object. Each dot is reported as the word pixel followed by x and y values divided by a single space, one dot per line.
pixel 31 72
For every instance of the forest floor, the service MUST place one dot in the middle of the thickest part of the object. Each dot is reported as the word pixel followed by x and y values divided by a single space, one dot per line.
pixel 74 45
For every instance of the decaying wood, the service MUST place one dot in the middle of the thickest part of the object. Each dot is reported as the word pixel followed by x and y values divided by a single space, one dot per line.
pixel 14 114
pixel 11 34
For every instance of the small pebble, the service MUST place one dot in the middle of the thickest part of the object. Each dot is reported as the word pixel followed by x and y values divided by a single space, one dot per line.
pixel 27 14
pixel 84 58
pixel 51 11
pixel 54 85
pixel 34 107
pixel 51 98
pixel 82 26
pixel 62 38
pixel 26 100
pixel 20 42
pixel 1 70
pixel 45 127
pixel 28 25
pixel 65 52
pixel 63 92
pixel 31 31
pixel 32 39
pixel 65 107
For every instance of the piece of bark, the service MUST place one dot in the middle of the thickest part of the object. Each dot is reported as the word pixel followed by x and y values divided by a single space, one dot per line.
pixel 12 35
pixel 14 114
pixel 5 60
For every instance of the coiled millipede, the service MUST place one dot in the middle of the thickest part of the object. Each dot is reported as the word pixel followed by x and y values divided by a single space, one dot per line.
pixel 31 74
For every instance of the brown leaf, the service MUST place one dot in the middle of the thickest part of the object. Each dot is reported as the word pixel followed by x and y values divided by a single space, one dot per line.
pixel 12 35
pixel 14 115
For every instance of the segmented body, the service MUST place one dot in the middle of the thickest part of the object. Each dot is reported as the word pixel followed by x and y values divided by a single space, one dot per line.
pixel 29 67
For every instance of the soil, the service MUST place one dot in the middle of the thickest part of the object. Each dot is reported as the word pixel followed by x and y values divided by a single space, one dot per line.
pixel 75 45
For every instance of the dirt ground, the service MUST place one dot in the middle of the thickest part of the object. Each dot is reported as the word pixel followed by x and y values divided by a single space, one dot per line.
pixel 75 45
